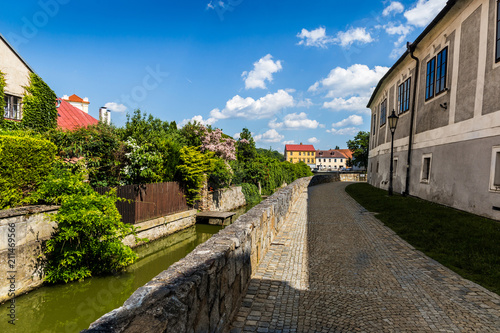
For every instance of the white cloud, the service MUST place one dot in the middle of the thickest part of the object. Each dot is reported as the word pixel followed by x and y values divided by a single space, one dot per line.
pixel 289 142
pixel 344 131
pixel 264 107
pixel 353 35
pixel 401 29
pixel 270 136
pixel 294 121
pixel 236 136
pixel 210 6
pixel 305 103
pixel 316 37
pixel 354 120
pixel 262 70
pixel 313 140
pixel 394 7
pixel 397 52
pixel 424 12
pixel 355 80
pixel 319 38
pixel 112 106
pixel 353 104
pixel 199 119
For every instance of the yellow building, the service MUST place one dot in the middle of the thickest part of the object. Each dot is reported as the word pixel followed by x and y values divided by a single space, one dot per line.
pixel 301 153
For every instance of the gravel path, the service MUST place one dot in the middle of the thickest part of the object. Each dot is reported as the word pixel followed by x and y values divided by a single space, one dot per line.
pixel 335 268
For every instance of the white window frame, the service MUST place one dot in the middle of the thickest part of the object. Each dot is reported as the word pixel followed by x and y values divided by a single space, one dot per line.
pixel 494 151
pixel 422 180
pixel 395 164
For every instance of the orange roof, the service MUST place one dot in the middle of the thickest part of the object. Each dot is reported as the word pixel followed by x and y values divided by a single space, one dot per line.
pixel 70 117
pixel 346 152
pixel 75 98
pixel 299 148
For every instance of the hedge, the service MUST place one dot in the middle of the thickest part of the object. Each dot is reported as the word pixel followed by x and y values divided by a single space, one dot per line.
pixel 24 163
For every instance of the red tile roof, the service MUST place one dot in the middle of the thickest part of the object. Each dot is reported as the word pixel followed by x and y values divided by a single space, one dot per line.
pixel 299 148
pixel 346 152
pixel 75 98
pixel 70 117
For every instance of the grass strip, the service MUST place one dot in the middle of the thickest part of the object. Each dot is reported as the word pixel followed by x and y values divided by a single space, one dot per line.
pixel 466 243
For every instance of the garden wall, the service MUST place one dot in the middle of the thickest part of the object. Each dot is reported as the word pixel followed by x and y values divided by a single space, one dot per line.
pixel 222 200
pixel 200 292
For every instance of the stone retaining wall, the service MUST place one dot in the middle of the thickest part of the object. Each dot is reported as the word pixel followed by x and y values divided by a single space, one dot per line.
pixel 22 231
pixel 222 200
pixel 200 292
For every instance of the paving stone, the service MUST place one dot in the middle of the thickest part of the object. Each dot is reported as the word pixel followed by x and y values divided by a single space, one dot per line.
pixel 334 267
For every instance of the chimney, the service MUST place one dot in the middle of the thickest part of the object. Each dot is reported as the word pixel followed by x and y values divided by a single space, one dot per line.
pixel 301 143
pixel 104 115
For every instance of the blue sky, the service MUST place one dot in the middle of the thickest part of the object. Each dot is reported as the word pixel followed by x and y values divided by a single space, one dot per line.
pixel 290 71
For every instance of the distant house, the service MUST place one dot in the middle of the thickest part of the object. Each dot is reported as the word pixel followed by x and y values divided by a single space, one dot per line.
pixel 78 102
pixel 331 160
pixel 446 90
pixel 301 153
pixel 17 72
pixel 70 117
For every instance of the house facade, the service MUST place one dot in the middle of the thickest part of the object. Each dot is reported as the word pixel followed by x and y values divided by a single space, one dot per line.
pixel 17 73
pixel 301 153
pixel 330 160
pixel 446 91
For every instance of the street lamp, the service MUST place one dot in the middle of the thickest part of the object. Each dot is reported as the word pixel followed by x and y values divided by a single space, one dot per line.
pixel 393 122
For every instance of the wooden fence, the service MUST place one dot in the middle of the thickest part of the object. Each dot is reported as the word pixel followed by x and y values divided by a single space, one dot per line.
pixel 148 201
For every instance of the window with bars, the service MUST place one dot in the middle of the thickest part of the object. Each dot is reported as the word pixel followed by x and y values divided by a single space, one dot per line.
pixel 404 96
pixel 383 112
pixel 430 78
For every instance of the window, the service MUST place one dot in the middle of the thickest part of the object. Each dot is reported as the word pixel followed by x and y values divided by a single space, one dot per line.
pixel 374 122
pixel 12 109
pixel 441 71
pixel 426 168
pixel 377 168
pixel 335 160
pixel 404 96
pixel 497 53
pixel 495 169
pixel 429 82
pixel 300 153
pixel 383 112
pixel 395 167
pixel 436 74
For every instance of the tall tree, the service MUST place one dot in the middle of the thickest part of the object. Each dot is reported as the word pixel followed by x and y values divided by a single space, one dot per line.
pixel 359 147
pixel 246 146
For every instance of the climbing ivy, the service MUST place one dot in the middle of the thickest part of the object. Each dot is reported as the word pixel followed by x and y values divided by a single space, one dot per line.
pixel 39 105
pixel 2 94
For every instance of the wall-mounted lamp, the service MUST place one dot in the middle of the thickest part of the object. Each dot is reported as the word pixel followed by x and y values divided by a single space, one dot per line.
pixel 444 105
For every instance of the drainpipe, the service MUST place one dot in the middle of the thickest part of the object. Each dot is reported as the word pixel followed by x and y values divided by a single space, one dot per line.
pixel 412 117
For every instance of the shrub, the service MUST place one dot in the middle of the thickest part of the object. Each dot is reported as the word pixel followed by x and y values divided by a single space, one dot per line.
pixel 221 175
pixel 24 163
pixel 88 239
pixel 192 171
pixel 2 95
pixel 251 193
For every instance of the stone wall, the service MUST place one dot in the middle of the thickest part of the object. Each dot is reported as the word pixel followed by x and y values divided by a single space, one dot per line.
pixel 22 231
pixel 353 177
pixel 200 292
pixel 33 225
pixel 222 200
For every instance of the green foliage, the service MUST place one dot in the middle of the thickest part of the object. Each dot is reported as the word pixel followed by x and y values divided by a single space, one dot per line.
pixel 245 147
pixel 251 193
pixel 87 240
pixel 465 243
pixel 101 147
pixel 221 176
pixel 25 162
pixel 165 138
pixel 2 95
pixel 359 147
pixel 191 132
pixel 39 105
pixel 144 165
pixel 59 184
pixel 269 153
pixel 193 169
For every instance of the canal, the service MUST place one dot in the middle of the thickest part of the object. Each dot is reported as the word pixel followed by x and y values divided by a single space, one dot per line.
pixel 72 307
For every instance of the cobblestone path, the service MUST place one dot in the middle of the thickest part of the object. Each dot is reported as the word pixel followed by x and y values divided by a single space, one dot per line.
pixel 335 268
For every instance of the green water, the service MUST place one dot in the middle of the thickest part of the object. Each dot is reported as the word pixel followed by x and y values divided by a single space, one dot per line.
pixel 72 307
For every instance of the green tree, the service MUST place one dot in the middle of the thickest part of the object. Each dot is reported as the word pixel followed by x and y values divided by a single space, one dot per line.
pixel 337 147
pixel 246 146
pixel 359 147
pixel 39 105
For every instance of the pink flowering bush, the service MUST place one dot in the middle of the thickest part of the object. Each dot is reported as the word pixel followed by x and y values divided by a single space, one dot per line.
pixel 213 141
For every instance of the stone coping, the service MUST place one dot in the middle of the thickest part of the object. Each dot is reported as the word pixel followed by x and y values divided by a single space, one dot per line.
pixel 27 210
